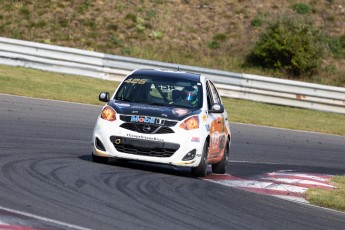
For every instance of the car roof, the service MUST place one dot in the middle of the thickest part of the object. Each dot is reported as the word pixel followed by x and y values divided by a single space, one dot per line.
pixel 167 73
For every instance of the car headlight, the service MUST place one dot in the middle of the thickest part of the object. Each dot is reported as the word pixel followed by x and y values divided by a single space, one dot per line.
pixel 108 114
pixel 190 123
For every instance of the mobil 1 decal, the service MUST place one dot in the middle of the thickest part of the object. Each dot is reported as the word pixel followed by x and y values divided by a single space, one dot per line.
pixel 150 120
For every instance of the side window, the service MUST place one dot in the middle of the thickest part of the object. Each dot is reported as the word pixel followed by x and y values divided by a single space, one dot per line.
pixel 209 96
pixel 216 97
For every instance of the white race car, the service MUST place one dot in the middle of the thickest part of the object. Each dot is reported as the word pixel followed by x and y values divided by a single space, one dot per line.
pixel 166 117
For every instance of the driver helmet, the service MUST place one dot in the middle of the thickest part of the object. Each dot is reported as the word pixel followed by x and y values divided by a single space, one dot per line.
pixel 189 94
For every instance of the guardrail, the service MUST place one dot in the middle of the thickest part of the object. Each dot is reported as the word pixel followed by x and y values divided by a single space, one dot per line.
pixel 243 86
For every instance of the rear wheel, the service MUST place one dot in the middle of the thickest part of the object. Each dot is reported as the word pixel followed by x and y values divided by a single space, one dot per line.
pixel 99 159
pixel 201 169
pixel 220 167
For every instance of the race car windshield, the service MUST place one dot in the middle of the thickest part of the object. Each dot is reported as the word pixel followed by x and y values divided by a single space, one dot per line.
pixel 161 92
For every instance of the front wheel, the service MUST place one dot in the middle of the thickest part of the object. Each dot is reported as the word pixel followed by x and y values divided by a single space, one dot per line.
pixel 220 167
pixel 98 159
pixel 201 169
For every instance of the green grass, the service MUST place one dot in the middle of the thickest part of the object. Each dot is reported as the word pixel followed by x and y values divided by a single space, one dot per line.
pixel 285 117
pixel 41 84
pixel 56 86
pixel 334 199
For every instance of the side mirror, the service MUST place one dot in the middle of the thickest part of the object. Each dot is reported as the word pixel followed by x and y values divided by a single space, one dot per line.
pixel 217 108
pixel 104 96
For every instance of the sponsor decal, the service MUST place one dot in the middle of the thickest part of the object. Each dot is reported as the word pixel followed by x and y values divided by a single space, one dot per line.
pixel 150 120
pixel 145 107
pixel 180 112
pixel 195 139
pixel 143 119
pixel 145 137
pixel 166 87
pixel 160 121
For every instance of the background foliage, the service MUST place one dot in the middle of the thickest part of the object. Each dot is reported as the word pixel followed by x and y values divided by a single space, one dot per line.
pixel 291 44
pixel 213 34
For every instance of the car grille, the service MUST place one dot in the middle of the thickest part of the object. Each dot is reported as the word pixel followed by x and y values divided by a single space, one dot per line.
pixel 158 152
pixel 144 128
pixel 144 147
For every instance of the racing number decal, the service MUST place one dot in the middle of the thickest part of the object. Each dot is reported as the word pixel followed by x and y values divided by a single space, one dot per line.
pixel 136 81
pixel 217 136
pixel 215 140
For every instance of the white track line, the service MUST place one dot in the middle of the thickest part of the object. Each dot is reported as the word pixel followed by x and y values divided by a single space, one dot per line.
pixel 256 162
pixel 63 224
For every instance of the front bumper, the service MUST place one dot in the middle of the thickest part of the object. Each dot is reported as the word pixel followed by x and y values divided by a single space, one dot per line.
pixel 168 148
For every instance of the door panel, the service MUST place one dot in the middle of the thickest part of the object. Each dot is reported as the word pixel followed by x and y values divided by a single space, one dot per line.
pixel 217 127
pixel 217 136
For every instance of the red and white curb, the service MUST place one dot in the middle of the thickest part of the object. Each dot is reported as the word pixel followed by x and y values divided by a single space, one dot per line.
pixel 285 184
pixel 21 226
pixel 7 226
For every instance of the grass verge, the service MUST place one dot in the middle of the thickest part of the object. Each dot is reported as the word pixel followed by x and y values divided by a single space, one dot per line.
pixel 42 84
pixel 49 85
pixel 334 199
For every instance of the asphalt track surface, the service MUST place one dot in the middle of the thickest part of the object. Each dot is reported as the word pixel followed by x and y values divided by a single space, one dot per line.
pixel 46 170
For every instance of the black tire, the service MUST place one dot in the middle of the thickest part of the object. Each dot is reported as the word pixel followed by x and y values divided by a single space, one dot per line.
pixel 97 159
pixel 201 169
pixel 220 167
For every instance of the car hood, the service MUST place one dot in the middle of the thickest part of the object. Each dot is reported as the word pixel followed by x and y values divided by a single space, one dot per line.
pixel 167 112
